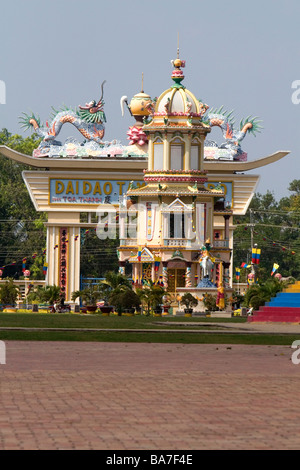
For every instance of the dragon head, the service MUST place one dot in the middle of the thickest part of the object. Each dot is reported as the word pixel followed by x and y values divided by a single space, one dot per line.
pixel 93 111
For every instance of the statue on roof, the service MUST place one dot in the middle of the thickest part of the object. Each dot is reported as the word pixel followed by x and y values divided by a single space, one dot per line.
pixel 88 119
pixel 233 136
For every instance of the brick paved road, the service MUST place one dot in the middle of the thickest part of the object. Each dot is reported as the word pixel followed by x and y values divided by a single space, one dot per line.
pixel 59 395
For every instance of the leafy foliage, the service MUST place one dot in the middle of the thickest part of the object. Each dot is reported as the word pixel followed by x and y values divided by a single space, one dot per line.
pixel 258 294
pixel 91 294
pixel 209 302
pixel 275 227
pixel 9 292
pixel 124 297
pixel 151 295
pixel 49 294
pixel 188 300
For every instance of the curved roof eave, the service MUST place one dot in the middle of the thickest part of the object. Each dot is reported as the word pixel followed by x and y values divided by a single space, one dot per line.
pixel 236 167
pixel 93 163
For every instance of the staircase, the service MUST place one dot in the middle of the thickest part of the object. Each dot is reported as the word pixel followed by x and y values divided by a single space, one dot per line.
pixel 285 307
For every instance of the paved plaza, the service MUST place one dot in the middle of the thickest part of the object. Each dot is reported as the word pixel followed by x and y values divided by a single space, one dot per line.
pixel 139 396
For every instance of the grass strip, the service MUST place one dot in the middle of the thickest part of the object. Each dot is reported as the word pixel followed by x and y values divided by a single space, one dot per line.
pixel 150 337
pixel 41 320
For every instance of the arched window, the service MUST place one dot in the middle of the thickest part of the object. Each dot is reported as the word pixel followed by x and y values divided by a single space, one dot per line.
pixel 158 154
pixel 177 154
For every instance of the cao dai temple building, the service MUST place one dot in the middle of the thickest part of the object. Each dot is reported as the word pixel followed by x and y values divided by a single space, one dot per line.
pixel 173 191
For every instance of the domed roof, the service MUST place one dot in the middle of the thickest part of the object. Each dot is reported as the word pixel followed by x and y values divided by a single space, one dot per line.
pixel 177 101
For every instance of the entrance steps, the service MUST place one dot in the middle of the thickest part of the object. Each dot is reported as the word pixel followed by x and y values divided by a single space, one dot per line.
pixel 285 307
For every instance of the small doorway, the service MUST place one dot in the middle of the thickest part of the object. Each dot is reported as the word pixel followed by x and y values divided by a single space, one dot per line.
pixel 176 278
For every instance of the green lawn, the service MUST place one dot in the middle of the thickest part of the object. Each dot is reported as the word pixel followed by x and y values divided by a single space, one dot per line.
pixel 68 327
pixel 61 320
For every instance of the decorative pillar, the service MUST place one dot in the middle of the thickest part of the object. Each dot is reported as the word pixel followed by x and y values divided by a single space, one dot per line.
pixel 188 275
pixel 226 219
pixel 63 262
pixel 63 257
pixel 165 274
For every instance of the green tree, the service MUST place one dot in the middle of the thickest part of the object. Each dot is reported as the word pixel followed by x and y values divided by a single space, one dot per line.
pixel 97 255
pixel 22 232
pixel 275 227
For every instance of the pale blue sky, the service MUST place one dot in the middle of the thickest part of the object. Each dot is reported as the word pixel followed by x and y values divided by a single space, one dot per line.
pixel 243 55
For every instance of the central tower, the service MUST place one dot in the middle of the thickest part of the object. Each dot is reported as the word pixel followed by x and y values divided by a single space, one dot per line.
pixel 174 208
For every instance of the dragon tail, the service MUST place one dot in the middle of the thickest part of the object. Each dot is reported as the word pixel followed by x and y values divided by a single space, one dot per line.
pixel 29 121
pixel 250 124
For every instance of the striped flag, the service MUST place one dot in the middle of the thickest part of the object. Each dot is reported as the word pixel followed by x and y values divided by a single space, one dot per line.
pixel 156 263
pixel 256 255
pixel 275 267
pixel 45 267
pixel 237 273
pixel 245 265
pixel 24 264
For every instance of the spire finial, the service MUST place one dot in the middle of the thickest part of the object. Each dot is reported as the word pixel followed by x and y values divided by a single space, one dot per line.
pixel 142 90
pixel 177 74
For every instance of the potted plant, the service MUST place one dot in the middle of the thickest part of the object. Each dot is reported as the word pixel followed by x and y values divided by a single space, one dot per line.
pixel 90 295
pixel 209 302
pixel 189 301
pixel 113 283
pixel 166 304
pixel 157 296
pixel 125 300
pixel 152 296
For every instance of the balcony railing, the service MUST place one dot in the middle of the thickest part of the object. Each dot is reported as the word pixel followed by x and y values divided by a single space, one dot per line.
pixel 221 244
pixel 177 242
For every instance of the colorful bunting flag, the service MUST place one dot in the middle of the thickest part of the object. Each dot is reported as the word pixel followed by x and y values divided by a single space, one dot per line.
pixel 24 264
pixel 275 267
pixel 156 263
pixel 245 265
pixel 256 255
pixel 45 267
